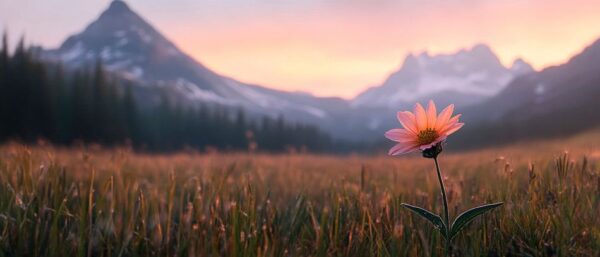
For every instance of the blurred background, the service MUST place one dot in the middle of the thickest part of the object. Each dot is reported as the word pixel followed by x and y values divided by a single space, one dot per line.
pixel 280 76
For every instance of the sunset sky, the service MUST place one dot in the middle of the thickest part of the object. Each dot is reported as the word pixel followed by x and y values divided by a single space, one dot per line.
pixel 329 47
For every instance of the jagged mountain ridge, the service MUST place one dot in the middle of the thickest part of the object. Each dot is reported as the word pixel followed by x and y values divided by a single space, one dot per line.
pixel 556 101
pixel 469 76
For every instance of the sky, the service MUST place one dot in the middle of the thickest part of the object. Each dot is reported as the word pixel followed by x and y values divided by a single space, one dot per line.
pixel 329 47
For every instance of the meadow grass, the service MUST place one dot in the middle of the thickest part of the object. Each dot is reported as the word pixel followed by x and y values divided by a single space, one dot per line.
pixel 95 202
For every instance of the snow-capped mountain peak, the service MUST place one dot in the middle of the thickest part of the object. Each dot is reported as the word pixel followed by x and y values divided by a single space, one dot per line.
pixel 121 40
pixel 468 75
pixel 126 44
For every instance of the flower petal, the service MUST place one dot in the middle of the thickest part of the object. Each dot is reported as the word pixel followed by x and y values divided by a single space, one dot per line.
pixel 450 123
pixel 444 117
pixel 402 148
pixel 453 129
pixel 431 114
pixel 420 117
pixel 455 118
pixel 407 119
pixel 400 135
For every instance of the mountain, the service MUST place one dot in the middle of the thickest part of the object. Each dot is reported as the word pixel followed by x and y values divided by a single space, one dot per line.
pixel 128 45
pixel 556 101
pixel 465 77
pixel 498 102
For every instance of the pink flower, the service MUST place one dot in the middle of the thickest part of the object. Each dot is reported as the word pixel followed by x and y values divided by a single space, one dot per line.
pixel 423 129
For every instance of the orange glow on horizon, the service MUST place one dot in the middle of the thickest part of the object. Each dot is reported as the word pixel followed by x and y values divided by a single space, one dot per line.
pixel 343 51
pixel 331 47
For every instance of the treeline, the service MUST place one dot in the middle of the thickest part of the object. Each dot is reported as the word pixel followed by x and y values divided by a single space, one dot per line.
pixel 43 101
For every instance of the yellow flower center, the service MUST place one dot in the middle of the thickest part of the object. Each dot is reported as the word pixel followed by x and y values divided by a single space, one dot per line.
pixel 427 136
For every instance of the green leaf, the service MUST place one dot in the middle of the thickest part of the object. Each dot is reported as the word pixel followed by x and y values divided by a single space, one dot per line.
pixel 435 219
pixel 464 218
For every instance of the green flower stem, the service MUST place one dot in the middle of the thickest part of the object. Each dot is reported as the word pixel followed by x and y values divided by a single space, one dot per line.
pixel 446 216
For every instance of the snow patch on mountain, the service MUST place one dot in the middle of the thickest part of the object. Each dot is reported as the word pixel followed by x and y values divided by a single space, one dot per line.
pixel 193 92
pixel 267 101
pixel 74 53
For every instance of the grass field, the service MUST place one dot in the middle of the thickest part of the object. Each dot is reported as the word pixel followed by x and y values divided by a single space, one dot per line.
pixel 94 202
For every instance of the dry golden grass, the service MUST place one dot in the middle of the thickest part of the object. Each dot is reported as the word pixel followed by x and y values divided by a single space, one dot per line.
pixel 95 202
